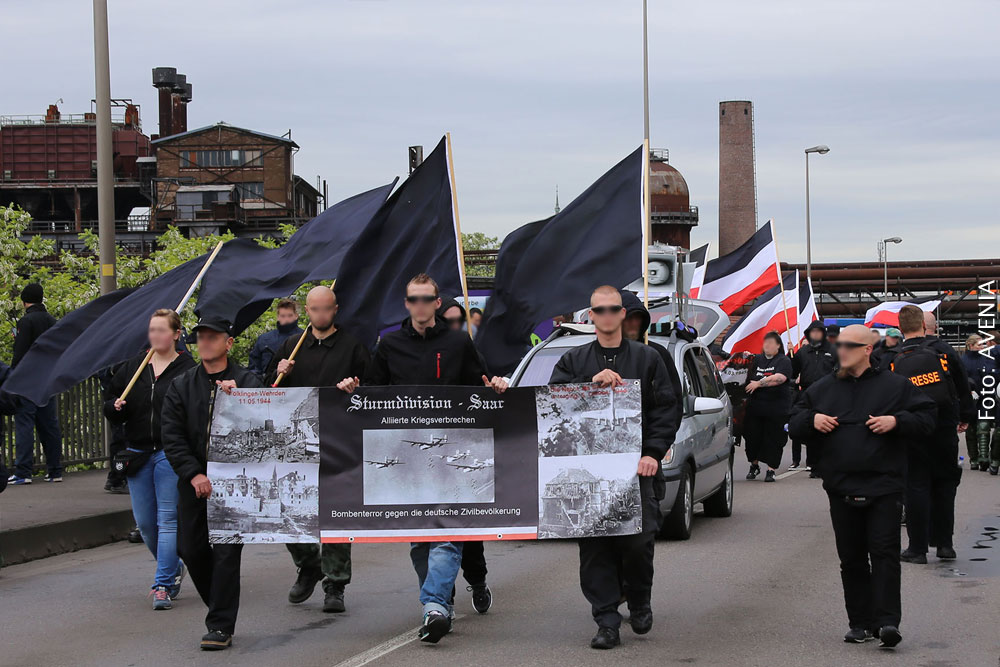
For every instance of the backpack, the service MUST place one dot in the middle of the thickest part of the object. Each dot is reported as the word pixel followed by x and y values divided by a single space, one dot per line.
pixel 928 370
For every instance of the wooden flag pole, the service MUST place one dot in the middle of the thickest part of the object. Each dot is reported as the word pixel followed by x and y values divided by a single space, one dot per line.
pixel 291 357
pixel 645 227
pixel 458 232
pixel 180 307
pixel 781 285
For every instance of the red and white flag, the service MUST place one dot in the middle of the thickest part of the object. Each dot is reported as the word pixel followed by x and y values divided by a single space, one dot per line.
pixel 738 278
pixel 699 257
pixel 777 310
pixel 887 314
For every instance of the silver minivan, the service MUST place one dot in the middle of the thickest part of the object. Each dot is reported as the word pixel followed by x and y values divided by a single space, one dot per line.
pixel 698 468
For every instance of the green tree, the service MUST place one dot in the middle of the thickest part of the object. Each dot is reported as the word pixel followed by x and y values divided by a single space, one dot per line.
pixel 478 241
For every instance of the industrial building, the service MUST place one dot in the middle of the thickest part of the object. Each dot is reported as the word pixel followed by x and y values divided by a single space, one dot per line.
pixel 671 215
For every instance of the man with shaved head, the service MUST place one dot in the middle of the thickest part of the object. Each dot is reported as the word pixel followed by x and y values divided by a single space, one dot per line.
pixel 327 356
pixel 865 419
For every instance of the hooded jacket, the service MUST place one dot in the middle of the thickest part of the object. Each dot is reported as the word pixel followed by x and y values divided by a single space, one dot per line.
pixel 267 345
pixel 35 322
pixel 441 356
pixel 187 416
pixel 141 412
pixel 813 360
pixel 633 304
pixel 856 461
pixel 446 304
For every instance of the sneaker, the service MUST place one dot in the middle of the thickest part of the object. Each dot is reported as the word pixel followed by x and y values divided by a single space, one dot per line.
pixel 946 553
pixel 769 477
pixel 333 601
pixel 116 488
pixel 304 585
pixel 794 466
pixel 913 557
pixel 606 638
pixel 175 590
pixel 53 478
pixel 216 640
pixel 436 625
pixel 482 597
pixel 754 471
pixel 14 480
pixel 889 636
pixel 161 598
pixel 134 536
pixel 859 636
pixel 809 468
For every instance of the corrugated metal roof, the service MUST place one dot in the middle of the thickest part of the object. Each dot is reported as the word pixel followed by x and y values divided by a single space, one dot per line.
pixel 227 126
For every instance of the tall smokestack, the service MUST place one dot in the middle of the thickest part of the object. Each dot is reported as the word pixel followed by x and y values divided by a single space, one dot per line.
pixel 737 181
pixel 178 103
pixel 163 81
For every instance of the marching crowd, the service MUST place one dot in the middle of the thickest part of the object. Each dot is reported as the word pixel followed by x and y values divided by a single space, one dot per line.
pixel 879 420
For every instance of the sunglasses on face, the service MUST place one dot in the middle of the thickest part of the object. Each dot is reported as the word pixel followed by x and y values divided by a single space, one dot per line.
pixel 604 310
pixel 420 298
pixel 849 344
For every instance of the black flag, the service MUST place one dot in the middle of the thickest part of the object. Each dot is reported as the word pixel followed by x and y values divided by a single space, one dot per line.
pixel 413 233
pixel 550 267
pixel 246 277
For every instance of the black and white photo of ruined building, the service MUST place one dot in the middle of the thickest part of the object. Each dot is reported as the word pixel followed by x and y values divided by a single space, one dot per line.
pixel 588 496
pixel 578 420
pixel 283 426
pixel 263 503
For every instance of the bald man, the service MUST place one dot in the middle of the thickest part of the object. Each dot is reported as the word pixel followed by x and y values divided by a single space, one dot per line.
pixel 327 356
pixel 865 419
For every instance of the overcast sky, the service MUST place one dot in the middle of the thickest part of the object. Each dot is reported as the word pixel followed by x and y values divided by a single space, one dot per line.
pixel 540 93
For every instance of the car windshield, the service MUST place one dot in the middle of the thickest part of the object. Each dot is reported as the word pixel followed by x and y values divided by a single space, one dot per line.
pixel 539 369
pixel 699 317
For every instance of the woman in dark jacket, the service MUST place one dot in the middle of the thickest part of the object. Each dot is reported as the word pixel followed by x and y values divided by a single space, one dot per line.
pixel 769 387
pixel 152 482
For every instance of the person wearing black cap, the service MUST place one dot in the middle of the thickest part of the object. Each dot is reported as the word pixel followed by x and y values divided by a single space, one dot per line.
pixel 184 424
pixel 30 417
pixel 832 334
pixel 812 361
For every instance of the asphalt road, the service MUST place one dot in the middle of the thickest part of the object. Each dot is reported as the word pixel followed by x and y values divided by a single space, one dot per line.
pixel 759 588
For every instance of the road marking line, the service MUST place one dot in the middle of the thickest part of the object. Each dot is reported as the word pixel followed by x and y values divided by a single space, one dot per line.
pixel 385 648
pixel 789 473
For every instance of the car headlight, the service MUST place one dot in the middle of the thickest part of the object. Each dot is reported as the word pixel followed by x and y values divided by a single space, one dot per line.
pixel 668 459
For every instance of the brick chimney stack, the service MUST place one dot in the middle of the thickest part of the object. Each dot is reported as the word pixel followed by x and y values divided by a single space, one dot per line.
pixel 737 180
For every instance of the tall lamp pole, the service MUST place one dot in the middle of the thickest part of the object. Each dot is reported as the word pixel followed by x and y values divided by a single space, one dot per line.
pixel 105 177
pixel 884 253
pixel 822 150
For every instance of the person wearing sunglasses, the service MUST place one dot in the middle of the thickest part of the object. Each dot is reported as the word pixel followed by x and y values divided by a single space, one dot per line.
pixel 621 567
pixel 865 420
pixel 426 351
pixel 770 397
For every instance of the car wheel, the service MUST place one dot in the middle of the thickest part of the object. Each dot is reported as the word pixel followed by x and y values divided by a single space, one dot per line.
pixel 720 503
pixel 677 525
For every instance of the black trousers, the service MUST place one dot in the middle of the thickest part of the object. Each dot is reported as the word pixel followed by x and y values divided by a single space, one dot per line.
pixel 765 437
pixel 616 567
pixel 868 546
pixel 474 563
pixel 930 503
pixel 214 569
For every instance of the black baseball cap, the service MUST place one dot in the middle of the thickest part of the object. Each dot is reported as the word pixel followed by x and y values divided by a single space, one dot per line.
pixel 833 330
pixel 215 324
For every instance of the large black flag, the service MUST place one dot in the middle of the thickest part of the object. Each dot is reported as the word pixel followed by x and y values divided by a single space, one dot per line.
pixel 246 277
pixel 550 267
pixel 109 329
pixel 413 233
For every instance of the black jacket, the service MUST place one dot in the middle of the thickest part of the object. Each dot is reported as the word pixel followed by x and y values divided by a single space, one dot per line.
pixel 813 361
pixel 35 322
pixel 632 305
pixel 141 412
pixel 442 356
pixel 966 406
pixel 320 363
pixel 883 356
pixel 187 416
pixel 855 461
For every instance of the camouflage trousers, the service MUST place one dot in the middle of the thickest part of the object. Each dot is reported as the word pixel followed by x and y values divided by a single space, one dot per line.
pixel 333 560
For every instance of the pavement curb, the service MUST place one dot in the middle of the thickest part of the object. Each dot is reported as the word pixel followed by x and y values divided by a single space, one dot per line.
pixel 31 543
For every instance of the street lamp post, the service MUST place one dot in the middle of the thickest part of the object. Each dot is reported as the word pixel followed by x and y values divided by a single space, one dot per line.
pixel 884 256
pixel 822 150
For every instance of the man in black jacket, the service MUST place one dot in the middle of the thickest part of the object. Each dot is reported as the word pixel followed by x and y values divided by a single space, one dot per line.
pixel 30 417
pixel 813 360
pixel 864 419
pixel 634 328
pixel 328 355
pixel 425 351
pixel 611 567
pixel 184 425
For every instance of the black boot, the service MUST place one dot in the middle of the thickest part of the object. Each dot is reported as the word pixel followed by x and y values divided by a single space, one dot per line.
pixel 641 620
pixel 605 638
pixel 304 585
pixel 333 602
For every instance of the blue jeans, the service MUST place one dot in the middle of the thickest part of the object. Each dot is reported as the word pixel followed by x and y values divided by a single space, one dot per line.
pixel 153 490
pixel 437 566
pixel 45 418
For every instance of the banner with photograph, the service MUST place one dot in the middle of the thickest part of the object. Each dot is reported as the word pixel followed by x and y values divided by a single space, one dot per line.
pixel 410 464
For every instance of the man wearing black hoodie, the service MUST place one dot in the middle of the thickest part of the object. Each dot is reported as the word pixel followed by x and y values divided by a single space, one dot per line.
pixel 611 567
pixel 425 351
pixel 813 360
pixel 634 328
pixel 184 424
pixel 864 419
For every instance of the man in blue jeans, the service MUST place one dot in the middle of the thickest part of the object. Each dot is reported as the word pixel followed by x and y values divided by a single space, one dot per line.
pixel 426 351
pixel 29 417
